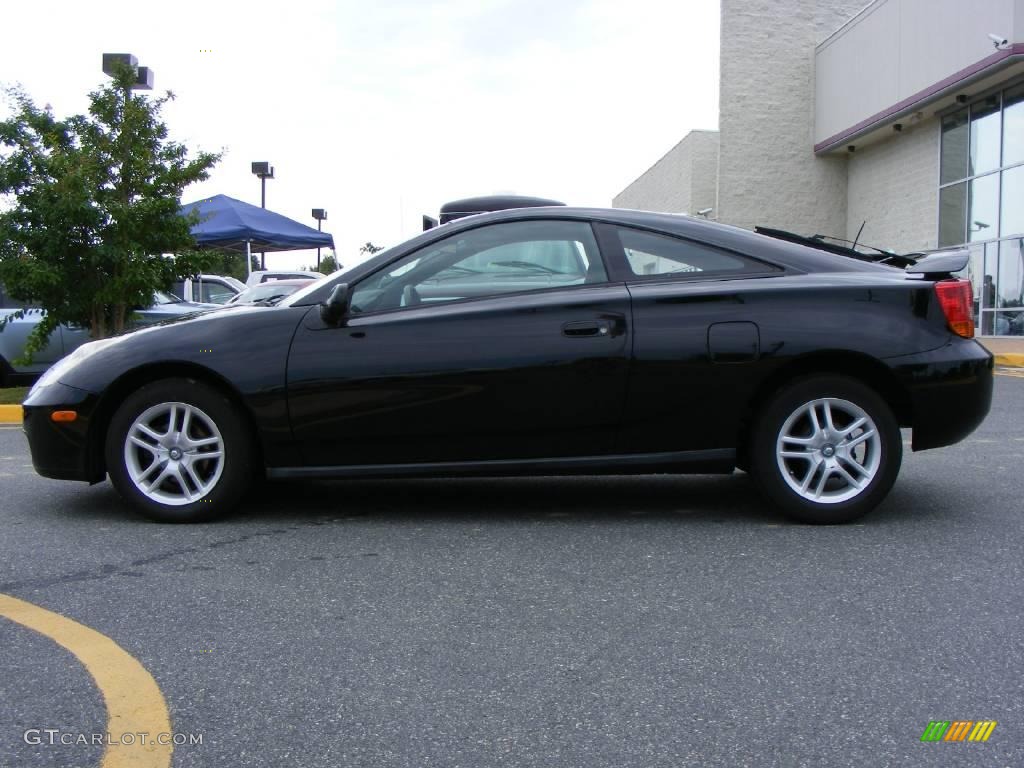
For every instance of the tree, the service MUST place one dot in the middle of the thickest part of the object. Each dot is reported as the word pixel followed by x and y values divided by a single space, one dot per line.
pixel 95 205
pixel 370 248
pixel 230 263
pixel 328 263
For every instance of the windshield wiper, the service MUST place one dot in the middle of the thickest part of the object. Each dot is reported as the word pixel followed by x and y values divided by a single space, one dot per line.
pixel 272 299
pixel 528 265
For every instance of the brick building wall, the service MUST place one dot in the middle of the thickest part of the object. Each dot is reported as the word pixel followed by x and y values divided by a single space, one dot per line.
pixel 681 181
pixel 767 170
pixel 893 185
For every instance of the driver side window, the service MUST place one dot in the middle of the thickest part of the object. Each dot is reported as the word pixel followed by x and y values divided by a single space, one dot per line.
pixel 489 261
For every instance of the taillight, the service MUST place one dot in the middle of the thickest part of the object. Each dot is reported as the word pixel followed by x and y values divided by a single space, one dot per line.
pixel 955 298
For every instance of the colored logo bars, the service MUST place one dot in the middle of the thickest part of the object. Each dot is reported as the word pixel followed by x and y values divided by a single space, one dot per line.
pixel 958 730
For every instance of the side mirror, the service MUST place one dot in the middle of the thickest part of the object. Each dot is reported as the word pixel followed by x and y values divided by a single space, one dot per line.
pixel 336 306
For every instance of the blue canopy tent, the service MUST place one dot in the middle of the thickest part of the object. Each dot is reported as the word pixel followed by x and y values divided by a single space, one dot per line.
pixel 236 226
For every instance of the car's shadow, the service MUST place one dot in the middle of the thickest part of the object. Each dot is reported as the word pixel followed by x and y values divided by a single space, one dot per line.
pixel 695 498
pixel 538 498
pixel 711 498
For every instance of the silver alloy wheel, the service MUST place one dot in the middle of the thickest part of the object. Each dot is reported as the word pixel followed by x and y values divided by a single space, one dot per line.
pixel 829 450
pixel 174 453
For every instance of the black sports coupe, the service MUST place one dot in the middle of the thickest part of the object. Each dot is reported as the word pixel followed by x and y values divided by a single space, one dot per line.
pixel 537 341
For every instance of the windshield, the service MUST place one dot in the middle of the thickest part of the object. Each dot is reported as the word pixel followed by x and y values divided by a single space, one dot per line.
pixel 161 297
pixel 265 292
pixel 305 290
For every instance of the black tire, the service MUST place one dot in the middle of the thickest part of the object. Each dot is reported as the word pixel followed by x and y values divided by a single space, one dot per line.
pixel 207 406
pixel 774 473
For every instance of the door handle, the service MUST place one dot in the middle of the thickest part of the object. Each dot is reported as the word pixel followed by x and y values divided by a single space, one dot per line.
pixel 583 329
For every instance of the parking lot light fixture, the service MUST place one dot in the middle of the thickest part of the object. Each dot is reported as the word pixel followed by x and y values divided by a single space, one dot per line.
pixel 143 75
pixel 319 214
pixel 264 171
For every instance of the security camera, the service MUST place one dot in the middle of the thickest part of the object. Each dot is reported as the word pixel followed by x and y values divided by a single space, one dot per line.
pixel 1000 42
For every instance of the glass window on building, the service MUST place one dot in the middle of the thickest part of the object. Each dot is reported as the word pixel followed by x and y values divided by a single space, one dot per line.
pixel 981 204
pixel 954 147
pixel 1012 217
pixel 953 215
pixel 976 274
pixel 1009 313
pixel 984 215
pixel 1013 125
pixel 986 131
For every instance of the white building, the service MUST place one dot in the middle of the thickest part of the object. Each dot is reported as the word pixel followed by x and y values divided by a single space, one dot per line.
pixel 904 117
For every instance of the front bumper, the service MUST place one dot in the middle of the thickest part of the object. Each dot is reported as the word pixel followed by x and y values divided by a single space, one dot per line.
pixel 62 450
pixel 950 391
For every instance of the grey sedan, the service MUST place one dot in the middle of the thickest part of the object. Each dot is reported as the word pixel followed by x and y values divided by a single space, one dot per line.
pixel 66 338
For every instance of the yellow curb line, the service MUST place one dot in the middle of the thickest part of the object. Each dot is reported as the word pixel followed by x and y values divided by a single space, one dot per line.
pixel 1010 359
pixel 10 414
pixel 134 702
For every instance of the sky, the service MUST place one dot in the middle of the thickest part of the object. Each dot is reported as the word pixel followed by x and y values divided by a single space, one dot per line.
pixel 379 112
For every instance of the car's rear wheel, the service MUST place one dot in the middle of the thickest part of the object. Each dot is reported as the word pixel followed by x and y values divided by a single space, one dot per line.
pixel 179 451
pixel 826 449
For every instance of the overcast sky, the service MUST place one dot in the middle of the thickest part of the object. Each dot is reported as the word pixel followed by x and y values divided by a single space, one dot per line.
pixel 381 111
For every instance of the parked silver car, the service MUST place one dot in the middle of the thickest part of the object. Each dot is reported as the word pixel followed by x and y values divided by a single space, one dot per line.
pixel 269 292
pixel 265 275
pixel 208 289
pixel 66 338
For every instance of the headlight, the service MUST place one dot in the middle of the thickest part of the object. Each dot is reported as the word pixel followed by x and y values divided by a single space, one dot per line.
pixel 65 364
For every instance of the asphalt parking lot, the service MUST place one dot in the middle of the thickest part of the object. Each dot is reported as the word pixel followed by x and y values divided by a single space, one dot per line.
pixel 545 622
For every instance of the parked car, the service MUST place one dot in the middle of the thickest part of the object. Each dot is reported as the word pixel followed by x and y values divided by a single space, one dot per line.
pixel 270 292
pixel 538 341
pixel 66 338
pixel 263 275
pixel 207 289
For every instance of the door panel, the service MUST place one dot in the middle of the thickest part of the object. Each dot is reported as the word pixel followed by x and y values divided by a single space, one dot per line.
pixel 495 378
pixel 684 393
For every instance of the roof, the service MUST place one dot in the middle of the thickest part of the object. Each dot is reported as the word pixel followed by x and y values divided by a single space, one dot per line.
pixel 227 223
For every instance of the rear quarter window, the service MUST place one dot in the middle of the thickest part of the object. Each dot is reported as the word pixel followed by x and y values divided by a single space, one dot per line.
pixel 651 255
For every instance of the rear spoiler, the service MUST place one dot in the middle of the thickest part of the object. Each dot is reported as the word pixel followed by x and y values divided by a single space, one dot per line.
pixel 817 241
pixel 939 264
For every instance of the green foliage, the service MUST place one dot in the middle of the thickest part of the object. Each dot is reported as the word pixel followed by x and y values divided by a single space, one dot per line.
pixel 13 395
pixel 328 263
pixel 229 263
pixel 95 204
pixel 370 248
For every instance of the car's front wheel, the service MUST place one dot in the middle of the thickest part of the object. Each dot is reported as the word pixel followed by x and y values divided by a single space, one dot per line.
pixel 179 451
pixel 826 449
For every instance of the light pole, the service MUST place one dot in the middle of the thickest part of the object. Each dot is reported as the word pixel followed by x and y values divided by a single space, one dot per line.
pixel 319 214
pixel 143 75
pixel 113 65
pixel 264 171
